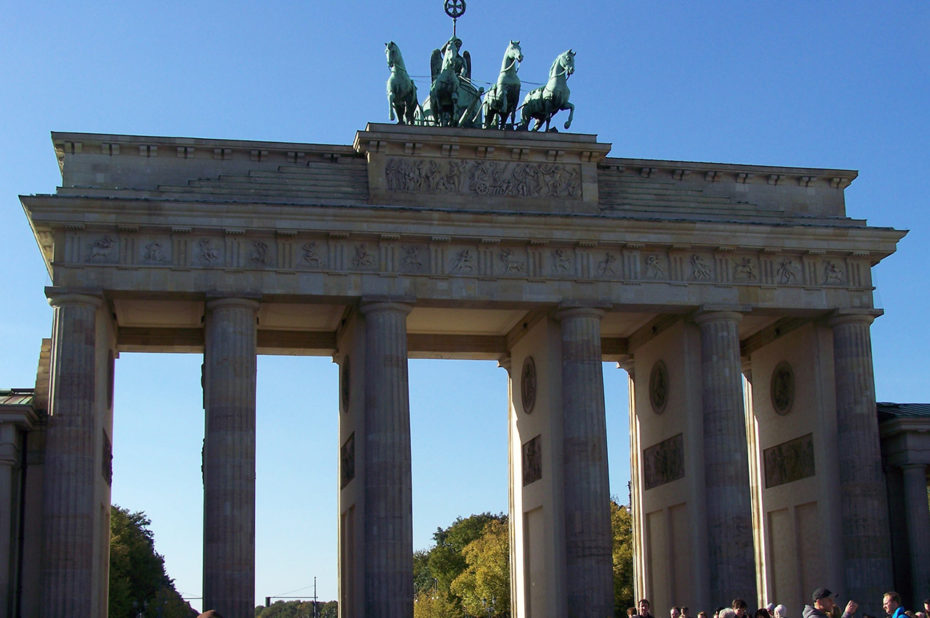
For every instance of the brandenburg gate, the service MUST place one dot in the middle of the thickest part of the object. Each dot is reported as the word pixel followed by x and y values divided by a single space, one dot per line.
pixel 737 297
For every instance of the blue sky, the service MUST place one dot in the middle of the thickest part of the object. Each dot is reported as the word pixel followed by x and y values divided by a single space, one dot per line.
pixel 820 84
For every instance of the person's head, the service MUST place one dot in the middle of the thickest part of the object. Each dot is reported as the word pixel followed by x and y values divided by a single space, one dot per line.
pixel 727 612
pixel 927 606
pixel 823 600
pixel 739 606
pixel 891 601
pixel 643 607
pixel 684 611
pixel 675 612
pixel 717 612
pixel 631 611
pixel 762 613
pixel 702 614
pixel 781 611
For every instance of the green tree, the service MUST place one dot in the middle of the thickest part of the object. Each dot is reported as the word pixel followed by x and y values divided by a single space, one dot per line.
pixel 621 523
pixel 138 581
pixel 484 585
pixel 435 570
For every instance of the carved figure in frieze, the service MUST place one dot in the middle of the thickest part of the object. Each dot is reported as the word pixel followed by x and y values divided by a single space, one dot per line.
pixel 700 270
pixel 511 265
pixel 208 254
pixel 154 254
pixel 452 181
pixel 259 252
pixel 100 249
pixel 786 272
pixel 745 269
pixel 606 266
pixel 832 273
pixel 487 178
pixel 311 256
pixel 411 259
pixel 363 258
pixel 560 181
pixel 464 262
pixel 561 261
pixel 654 267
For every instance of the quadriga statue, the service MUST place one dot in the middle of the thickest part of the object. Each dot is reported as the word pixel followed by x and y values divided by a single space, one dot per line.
pixel 542 103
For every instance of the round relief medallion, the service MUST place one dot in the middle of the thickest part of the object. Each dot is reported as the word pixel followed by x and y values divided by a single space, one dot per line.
pixel 658 387
pixel 782 388
pixel 528 384
pixel 344 385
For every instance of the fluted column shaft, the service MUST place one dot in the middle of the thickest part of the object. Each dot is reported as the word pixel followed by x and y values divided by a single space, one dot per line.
pixel 917 516
pixel 864 512
pixel 388 527
pixel 589 574
pixel 229 457
pixel 726 461
pixel 70 466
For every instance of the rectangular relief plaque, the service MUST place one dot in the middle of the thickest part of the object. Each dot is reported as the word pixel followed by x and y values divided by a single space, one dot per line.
pixel 532 461
pixel 664 462
pixel 789 461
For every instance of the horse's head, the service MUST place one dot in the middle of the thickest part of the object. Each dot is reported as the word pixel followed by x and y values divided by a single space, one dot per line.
pixel 514 52
pixel 567 61
pixel 392 52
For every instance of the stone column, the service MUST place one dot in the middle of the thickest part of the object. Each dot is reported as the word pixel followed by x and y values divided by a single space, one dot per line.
pixel 863 509
pixel 726 461
pixel 917 515
pixel 588 540
pixel 71 468
pixel 388 526
pixel 229 457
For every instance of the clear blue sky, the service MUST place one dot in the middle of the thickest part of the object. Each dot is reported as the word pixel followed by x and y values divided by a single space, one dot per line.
pixel 821 84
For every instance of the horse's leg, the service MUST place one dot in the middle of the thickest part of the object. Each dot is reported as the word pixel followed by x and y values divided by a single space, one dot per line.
pixel 571 112
pixel 391 105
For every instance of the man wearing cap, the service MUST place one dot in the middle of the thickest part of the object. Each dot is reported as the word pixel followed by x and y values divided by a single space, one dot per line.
pixel 823 605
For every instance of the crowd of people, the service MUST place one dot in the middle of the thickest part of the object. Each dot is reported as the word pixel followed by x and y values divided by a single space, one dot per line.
pixel 822 605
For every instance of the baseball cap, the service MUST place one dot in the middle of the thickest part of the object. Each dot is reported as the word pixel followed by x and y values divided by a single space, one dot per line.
pixel 821 593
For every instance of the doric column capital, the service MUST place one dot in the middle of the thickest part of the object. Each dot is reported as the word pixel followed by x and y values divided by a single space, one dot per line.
pixel 576 310
pixel 58 296
pixel 370 305
pixel 220 302
pixel 712 313
pixel 911 467
pixel 853 316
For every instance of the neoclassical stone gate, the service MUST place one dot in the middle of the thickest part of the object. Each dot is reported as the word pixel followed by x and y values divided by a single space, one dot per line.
pixel 536 250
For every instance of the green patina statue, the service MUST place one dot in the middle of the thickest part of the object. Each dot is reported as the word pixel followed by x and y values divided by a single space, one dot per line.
pixel 542 103
pixel 501 100
pixel 453 100
pixel 401 91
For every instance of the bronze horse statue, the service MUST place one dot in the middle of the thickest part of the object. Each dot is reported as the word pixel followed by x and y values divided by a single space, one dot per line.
pixel 501 100
pixel 542 103
pixel 401 91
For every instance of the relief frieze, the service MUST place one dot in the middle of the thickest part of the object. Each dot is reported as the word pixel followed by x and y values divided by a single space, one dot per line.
pixel 311 255
pixel 207 253
pixel 484 178
pixel 655 267
pixel 155 252
pixel 488 258
pixel 103 249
